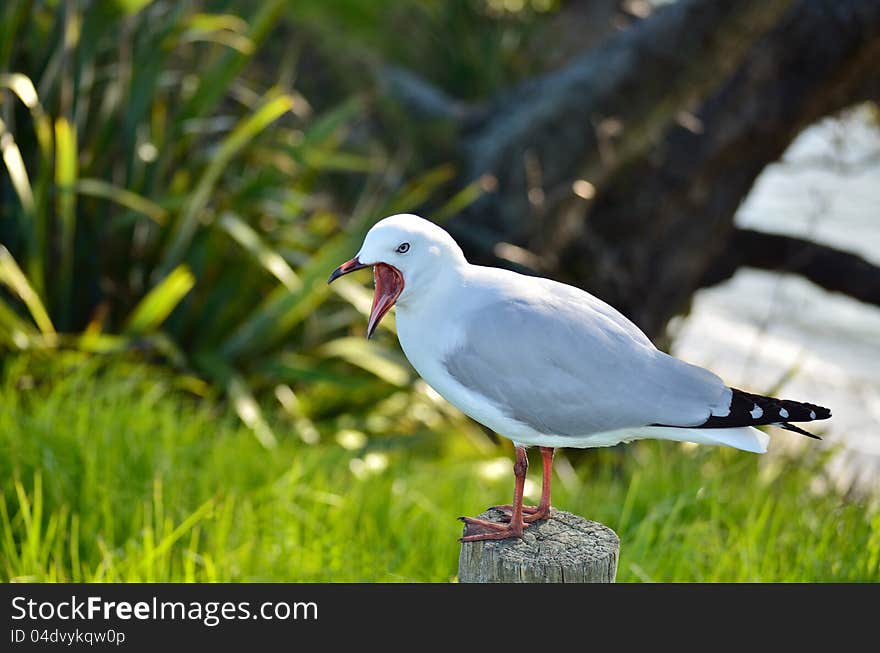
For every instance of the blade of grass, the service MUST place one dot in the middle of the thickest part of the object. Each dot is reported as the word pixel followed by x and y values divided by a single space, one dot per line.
pixel 271 260
pixel 22 186
pixel 98 343
pixel 320 159
pixel 65 178
pixel 225 29
pixel 458 202
pixel 73 545
pixel 241 396
pixel 13 327
pixel 14 15
pixel 360 352
pixel 23 88
pixel 128 199
pixel 11 557
pixel 216 22
pixel 294 368
pixel 32 516
pixel 12 276
pixel 131 7
pixel 249 411
pixel 274 107
pixel 18 175
pixel 328 124
pixel 157 304
pixel 163 546
pixel 418 190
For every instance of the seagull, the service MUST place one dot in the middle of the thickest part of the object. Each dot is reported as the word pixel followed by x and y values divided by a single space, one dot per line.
pixel 545 364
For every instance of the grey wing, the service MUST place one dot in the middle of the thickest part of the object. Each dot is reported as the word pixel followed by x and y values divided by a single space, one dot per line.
pixel 569 369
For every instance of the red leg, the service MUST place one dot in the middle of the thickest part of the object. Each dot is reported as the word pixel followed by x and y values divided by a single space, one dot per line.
pixel 481 529
pixel 542 511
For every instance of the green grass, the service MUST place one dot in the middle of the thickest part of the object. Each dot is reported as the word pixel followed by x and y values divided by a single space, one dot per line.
pixel 111 472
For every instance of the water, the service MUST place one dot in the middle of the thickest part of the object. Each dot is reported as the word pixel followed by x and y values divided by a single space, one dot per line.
pixel 760 328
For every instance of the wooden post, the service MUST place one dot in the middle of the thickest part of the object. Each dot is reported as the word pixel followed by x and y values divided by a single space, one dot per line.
pixel 563 549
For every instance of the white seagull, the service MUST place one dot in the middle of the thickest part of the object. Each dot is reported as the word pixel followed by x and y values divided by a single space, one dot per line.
pixel 545 364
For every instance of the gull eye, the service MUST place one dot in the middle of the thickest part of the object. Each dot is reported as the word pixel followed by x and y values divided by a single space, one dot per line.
pixel 403 248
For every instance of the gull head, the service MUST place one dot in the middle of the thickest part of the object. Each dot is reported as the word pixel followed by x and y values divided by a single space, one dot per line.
pixel 408 254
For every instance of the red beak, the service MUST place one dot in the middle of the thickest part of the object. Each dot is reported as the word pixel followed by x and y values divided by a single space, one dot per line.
pixel 345 268
pixel 389 285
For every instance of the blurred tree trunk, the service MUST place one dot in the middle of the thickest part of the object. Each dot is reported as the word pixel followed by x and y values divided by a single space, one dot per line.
pixel 666 125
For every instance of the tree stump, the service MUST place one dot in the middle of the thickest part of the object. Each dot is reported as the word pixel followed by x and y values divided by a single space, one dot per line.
pixel 563 549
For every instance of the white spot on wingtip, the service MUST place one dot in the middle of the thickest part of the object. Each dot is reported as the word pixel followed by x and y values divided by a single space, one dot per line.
pixel 756 412
pixel 783 412
pixel 812 414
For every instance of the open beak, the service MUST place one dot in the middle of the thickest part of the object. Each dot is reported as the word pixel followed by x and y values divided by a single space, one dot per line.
pixel 389 285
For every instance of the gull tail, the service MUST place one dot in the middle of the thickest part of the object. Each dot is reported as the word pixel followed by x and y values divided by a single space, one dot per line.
pixel 736 427
pixel 747 409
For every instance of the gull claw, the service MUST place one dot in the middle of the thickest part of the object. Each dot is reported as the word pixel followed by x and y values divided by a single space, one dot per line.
pixel 481 529
pixel 530 513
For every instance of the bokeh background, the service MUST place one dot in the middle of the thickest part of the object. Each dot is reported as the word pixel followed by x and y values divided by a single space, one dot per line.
pixel 183 398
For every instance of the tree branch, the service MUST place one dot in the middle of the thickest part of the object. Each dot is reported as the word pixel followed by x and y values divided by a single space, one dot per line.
pixel 658 223
pixel 830 268
pixel 419 98
pixel 608 106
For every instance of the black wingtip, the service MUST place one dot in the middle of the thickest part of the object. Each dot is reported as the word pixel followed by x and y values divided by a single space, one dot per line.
pixel 797 429
pixel 748 409
pixel 822 412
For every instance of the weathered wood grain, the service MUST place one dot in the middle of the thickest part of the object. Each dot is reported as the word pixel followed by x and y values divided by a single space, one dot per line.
pixel 564 549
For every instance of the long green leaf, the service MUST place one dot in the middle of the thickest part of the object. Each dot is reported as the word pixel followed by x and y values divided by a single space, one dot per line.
pixel 420 189
pixel 242 397
pixel 38 250
pixel 14 331
pixel 328 159
pixel 295 368
pixel 216 22
pixel 160 301
pixel 458 202
pixel 18 175
pixel 12 276
pixel 98 343
pixel 274 106
pixel 65 178
pixel 329 124
pixel 271 260
pixel 24 89
pixel 179 531
pixel 131 7
pixel 123 197
pixel 226 29
pixel 363 354
pixel 15 13
pixel 249 411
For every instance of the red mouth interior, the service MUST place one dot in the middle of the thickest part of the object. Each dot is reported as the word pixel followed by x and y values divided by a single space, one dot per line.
pixel 389 285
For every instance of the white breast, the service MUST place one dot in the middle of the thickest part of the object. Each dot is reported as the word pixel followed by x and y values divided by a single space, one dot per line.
pixel 426 339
